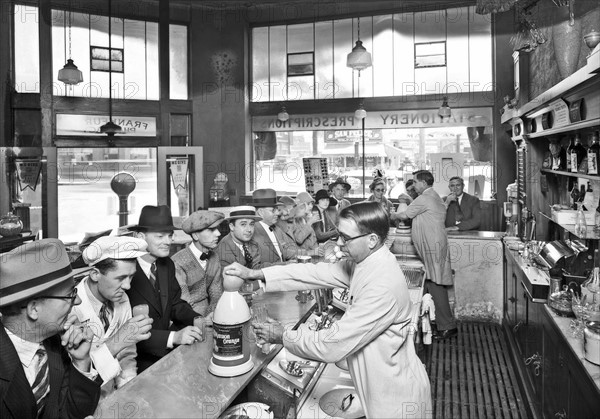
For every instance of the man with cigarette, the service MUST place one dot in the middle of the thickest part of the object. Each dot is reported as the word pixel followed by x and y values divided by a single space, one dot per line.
pixel 105 306
pixel 45 365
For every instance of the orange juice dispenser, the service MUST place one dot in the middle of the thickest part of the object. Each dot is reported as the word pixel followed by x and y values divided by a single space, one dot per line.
pixel 231 323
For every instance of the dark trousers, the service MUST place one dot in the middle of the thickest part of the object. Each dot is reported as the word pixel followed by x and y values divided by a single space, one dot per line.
pixel 444 318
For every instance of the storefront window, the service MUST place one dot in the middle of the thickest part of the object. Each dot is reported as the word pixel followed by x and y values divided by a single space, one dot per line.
pixel 88 172
pixel 447 149
pixel 27 66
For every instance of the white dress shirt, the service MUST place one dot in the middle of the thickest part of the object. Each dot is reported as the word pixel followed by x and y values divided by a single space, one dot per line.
pixel 273 238
pixel 197 253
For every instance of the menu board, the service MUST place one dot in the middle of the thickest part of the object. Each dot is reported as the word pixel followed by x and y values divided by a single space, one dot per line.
pixel 315 174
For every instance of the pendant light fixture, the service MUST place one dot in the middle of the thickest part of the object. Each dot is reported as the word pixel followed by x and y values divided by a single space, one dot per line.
pixel 445 111
pixel 359 59
pixel 360 113
pixel 70 74
pixel 283 115
pixel 110 128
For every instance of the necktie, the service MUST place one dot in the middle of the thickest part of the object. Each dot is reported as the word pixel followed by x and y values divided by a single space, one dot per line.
pixel 41 384
pixel 152 276
pixel 272 228
pixel 459 215
pixel 247 256
pixel 204 255
pixel 105 316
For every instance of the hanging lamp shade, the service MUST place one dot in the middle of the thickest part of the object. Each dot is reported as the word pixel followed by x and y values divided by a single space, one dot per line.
pixel 283 115
pixel 359 59
pixel 110 128
pixel 360 113
pixel 70 74
pixel 445 111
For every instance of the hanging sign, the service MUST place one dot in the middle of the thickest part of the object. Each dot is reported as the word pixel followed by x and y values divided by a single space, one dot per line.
pixel 316 174
pixel 411 118
pixel 84 125
pixel 179 169
pixel 28 173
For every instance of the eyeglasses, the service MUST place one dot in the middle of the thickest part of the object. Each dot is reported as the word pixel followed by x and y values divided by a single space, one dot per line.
pixel 379 190
pixel 72 296
pixel 345 239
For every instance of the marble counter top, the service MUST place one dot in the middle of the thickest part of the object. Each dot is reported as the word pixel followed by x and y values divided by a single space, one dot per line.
pixel 179 385
pixel 479 235
pixel 564 326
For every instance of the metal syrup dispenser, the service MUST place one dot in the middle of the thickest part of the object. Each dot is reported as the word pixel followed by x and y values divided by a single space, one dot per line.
pixel 231 323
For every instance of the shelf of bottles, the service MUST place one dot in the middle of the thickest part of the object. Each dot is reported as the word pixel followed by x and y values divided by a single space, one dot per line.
pixel 590 232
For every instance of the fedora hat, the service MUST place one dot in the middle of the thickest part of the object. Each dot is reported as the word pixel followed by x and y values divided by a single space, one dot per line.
pixel 246 212
pixel 33 268
pixel 157 219
pixel 340 181
pixel 265 198
pixel 322 194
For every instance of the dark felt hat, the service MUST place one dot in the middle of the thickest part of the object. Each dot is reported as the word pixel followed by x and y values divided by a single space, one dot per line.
pixel 340 181
pixel 155 219
pixel 265 198
pixel 322 194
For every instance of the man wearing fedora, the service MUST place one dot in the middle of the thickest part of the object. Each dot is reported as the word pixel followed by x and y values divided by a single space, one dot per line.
pixel 238 245
pixel 45 365
pixel 274 244
pixel 197 267
pixel 339 189
pixel 155 284
pixel 105 306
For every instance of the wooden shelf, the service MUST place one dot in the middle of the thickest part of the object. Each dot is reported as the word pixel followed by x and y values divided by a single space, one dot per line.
pixel 590 232
pixel 570 174
pixel 565 128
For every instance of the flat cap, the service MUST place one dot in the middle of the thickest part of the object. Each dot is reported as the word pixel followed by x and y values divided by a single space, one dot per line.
pixel 114 247
pixel 201 220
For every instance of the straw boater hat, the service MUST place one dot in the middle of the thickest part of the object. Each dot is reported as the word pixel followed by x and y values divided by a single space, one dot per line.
pixel 155 219
pixel 201 220
pixel 33 268
pixel 245 212
pixel 265 198
pixel 340 181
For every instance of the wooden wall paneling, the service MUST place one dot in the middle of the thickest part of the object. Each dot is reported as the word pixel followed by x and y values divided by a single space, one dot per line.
pixel 163 120
pixel 46 79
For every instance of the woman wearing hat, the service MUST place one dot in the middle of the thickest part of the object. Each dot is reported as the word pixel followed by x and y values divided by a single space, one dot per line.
pixel 378 189
pixel 325 228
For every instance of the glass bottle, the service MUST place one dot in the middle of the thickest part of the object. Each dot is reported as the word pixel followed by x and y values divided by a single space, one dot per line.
pixel 578 153
pixel 593 155
pixel 580 224
pixel 569 148
pixel 590 289
pixel 597 219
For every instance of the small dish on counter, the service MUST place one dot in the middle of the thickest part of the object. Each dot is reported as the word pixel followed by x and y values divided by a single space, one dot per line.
pixel 248 411
pixel 294 367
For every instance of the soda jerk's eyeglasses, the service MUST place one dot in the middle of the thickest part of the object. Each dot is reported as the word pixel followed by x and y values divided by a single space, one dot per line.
pixel 379 190
pixel 346 239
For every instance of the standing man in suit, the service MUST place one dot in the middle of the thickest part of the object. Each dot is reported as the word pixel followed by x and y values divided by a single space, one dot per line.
pixel 339 189
pixel 45 365
pixel 463 211
pixel 155 284
pixel 239 245
pixel 275 246
pixel 197 267
pixel 105 306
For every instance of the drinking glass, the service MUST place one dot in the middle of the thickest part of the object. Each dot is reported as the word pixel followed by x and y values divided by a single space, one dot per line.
pixel 140 309
pixel 200 322
pixel 260 315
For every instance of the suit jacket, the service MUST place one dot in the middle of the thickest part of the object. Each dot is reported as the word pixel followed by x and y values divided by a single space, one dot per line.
pixel 268 254
pixel 329 231
pixel 72 395
pixel 201 288
pixel 114 370
pixel 471 210
pixel 228 253
pixel 164 308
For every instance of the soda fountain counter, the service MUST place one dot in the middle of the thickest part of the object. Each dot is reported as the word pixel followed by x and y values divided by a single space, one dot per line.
pixel 180 385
